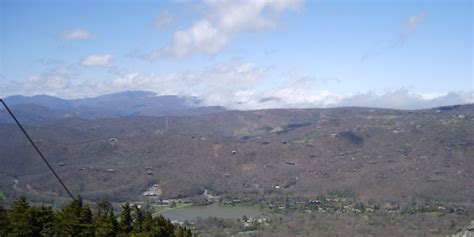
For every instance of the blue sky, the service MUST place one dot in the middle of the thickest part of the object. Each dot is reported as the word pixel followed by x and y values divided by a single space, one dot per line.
pixel 243 54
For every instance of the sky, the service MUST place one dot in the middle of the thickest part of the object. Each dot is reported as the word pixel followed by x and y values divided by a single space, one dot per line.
pixel 243 54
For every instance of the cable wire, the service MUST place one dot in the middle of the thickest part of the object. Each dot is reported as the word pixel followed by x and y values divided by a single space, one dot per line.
pixel 37 149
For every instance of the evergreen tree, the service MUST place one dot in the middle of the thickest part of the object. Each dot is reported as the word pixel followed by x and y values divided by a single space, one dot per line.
pixel 163 227
pixel 126 218
pixel 86 217
pixel 105 223
pixel 42 219
pixel 179 232
pixel 20 220
pixel 74 219
pixel 24 220
pixel 138 222
pixel 147 221
pixel 4 222
pixel 188 233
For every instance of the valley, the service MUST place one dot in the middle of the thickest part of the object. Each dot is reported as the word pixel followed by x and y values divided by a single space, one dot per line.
pixel 296 163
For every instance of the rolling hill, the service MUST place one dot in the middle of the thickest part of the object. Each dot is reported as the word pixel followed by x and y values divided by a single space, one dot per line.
pixel 375 154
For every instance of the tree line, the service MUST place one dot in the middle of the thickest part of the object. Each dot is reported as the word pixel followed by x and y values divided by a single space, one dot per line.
pixel 78 219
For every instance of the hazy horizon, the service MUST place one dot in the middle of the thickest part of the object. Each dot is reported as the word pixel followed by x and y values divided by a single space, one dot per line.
pixel 243 54
pixel 362 100
pixel 267 118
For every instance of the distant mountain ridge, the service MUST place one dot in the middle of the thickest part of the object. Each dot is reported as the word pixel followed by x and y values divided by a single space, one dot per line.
pixel 41 108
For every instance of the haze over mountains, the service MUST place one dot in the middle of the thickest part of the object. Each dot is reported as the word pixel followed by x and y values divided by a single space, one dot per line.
pixel 43 108
pixel 118 146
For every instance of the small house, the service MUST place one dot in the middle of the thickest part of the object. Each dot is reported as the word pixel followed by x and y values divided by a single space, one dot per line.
pixel 290 163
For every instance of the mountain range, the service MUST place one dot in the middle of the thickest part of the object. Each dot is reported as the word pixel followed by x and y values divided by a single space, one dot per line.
pixel 44 108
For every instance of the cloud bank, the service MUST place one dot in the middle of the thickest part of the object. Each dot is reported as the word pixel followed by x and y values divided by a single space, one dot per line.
pixel 235 85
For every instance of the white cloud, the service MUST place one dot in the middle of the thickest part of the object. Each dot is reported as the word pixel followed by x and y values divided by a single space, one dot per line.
pixel 294 97
pixel 223 21
pixel 234 85
pixel 215 85
pixel 77 34
pixel 99 60
pixel 52 82
pixel 163 20
pixel 405 99
pixel 432 95
pixel 61 72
